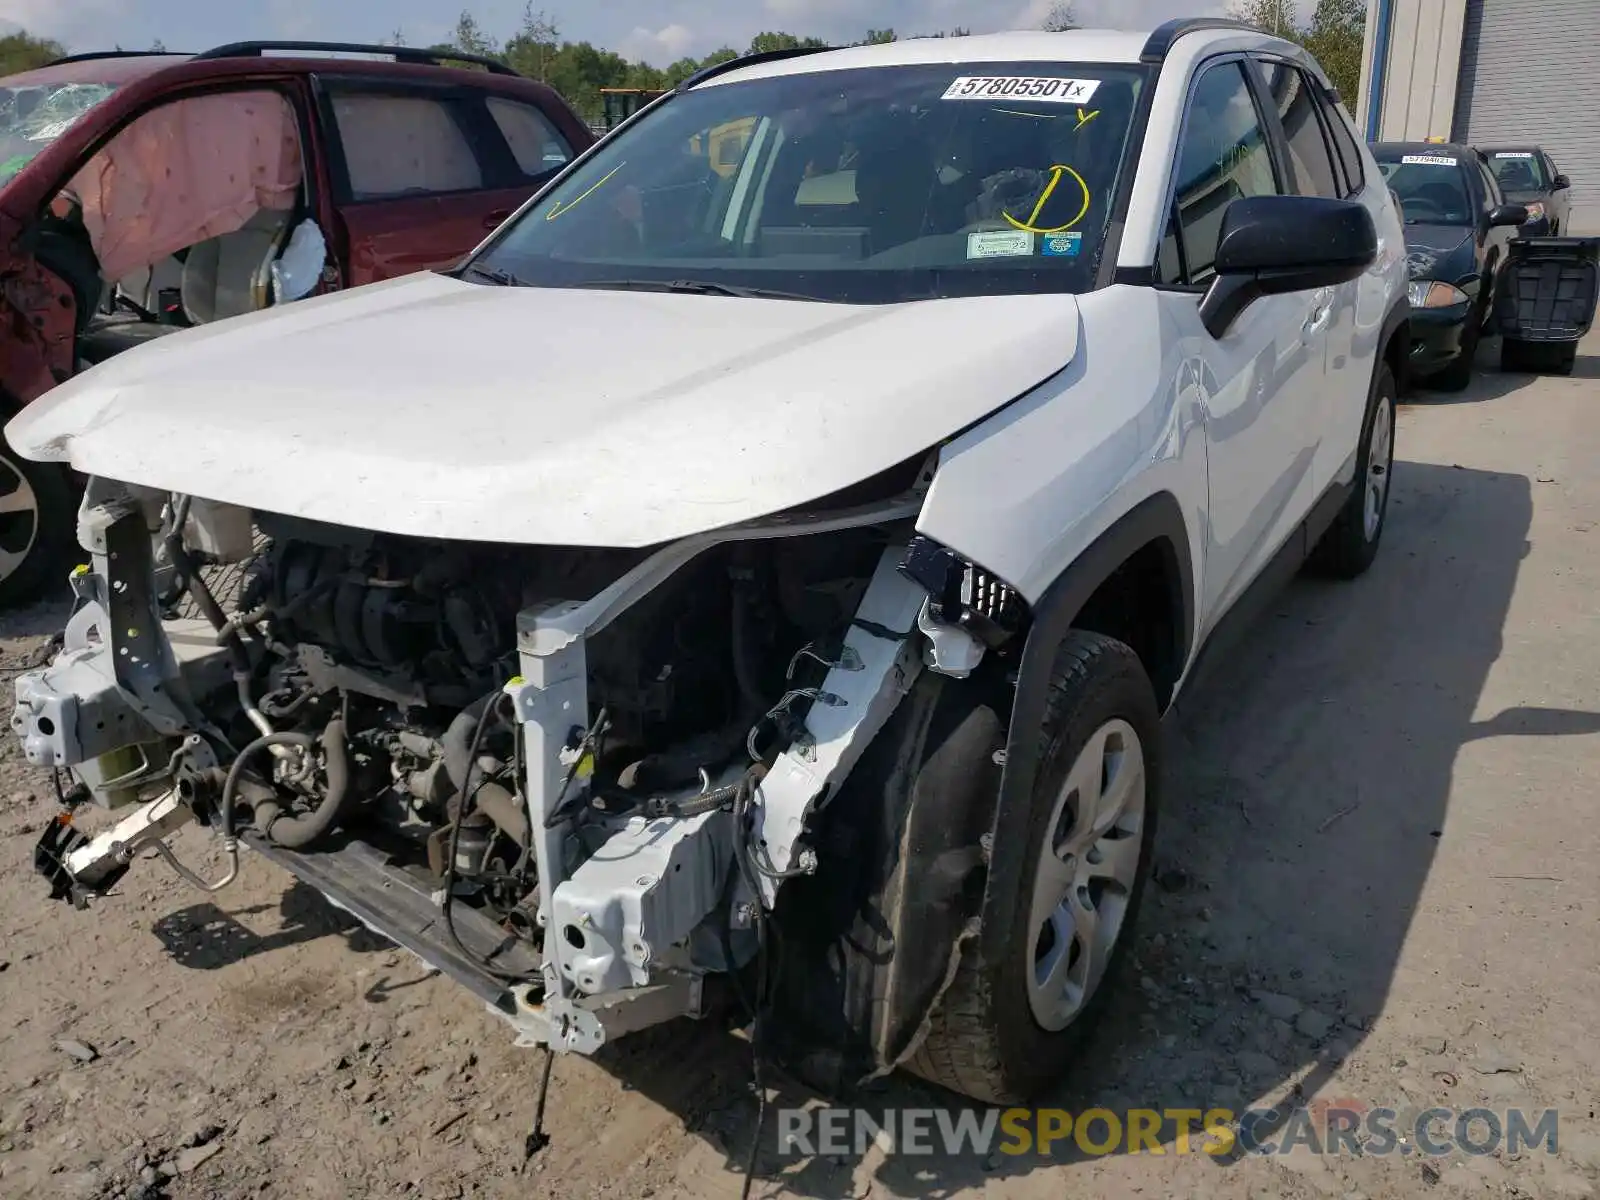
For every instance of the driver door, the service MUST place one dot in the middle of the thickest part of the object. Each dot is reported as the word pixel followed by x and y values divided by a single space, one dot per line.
pixel 1259 384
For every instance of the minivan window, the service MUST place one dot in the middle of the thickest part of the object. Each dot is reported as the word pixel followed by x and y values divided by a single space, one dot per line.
pixel 868 186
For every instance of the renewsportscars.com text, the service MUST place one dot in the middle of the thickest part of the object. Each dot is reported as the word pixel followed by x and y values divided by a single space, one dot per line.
pixel 1220 1132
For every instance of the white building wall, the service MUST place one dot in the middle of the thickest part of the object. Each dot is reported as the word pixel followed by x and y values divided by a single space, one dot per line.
pixel 1422 65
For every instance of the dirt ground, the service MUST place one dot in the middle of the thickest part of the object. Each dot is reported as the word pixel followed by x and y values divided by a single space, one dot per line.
pixel 1380 879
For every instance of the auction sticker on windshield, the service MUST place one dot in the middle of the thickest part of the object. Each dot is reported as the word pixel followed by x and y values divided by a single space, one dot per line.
pixel 1513 154
pixel 999 243
pixel 1022 87
pixel 1428 160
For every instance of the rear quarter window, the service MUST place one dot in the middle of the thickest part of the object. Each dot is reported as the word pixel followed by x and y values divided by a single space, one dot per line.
pixel 535 143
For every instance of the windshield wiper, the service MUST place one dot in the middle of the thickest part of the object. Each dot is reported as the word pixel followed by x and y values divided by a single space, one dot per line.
pixel 695 287
pixel 495 275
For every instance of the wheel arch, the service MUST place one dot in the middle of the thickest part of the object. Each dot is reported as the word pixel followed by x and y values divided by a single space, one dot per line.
pixel 1394 342
pixel 1150 537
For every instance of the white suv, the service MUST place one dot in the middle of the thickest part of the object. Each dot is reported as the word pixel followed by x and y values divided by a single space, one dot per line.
pixel 773 549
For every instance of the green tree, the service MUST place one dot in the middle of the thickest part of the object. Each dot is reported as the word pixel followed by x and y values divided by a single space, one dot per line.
pixel 1061 17
pixel 766 43
pixel 534 47
pixel 21 51
pixel 1274 16
pixel 470 37
pixel 158 46
pixel 879 37
pixel 1334 38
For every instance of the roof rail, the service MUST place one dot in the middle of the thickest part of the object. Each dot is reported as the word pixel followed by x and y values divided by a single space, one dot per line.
pixel 401 54
pixel 92 55
pixel 748 60
pixel 1159 44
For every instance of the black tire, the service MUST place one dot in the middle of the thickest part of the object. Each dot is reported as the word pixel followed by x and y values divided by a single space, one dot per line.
pixel 44 535
pixel 1347 548
pixel 983 1039
pixel 1456 376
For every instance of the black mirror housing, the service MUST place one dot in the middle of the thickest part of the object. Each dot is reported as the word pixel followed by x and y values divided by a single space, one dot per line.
pixel 1560 184
pixel 1271 245
pixel 1508 214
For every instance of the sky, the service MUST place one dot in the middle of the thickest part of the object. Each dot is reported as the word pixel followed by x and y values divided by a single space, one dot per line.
pixel 657 31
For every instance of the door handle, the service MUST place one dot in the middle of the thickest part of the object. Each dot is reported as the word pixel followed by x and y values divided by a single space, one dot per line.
pixel 494 219
pixel 1321 309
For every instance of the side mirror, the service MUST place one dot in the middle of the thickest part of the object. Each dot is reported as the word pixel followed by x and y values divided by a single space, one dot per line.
pixel 1271 245
pixel 1560 184
pixel 1507 214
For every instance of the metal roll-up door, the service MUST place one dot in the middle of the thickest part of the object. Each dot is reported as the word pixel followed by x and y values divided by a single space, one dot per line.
pixel 1528 75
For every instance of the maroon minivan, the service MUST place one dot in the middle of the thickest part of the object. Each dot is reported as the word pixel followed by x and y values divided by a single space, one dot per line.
pixel 145 193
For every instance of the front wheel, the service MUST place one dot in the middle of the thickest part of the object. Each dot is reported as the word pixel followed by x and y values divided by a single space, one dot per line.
pixel 1006 1030
pixel 38 519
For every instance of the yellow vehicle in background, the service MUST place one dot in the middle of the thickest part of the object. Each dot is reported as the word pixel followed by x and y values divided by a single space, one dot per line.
pixel 725 144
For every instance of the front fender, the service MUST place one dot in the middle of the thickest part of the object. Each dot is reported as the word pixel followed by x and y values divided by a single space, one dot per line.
pixel 1159 519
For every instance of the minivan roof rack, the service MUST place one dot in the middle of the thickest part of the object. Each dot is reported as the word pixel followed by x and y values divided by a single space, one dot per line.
pixel 401 54
pixel 748 60
pixel 1159 44
pixel 92 55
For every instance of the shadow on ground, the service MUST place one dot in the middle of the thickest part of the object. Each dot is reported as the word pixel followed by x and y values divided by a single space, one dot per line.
pixel 1310 782
pixel 203 937
pixel 1490 382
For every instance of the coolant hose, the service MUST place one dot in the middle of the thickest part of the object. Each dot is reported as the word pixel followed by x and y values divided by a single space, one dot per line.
pixel 230 785
pixel 296 833
pixel 457 739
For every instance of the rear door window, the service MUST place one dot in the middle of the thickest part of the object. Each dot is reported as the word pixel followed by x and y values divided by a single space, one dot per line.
pixel 1292 94
pixel 403 144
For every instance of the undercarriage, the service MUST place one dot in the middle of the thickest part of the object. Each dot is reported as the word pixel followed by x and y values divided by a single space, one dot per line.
pixel 574 780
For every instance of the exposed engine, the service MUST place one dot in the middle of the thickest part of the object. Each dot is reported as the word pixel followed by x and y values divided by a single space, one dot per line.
pixel 385 658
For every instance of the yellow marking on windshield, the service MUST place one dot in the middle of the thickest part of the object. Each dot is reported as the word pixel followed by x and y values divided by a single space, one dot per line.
pixel 558 208
pixel 1031 225
pixel 1084 119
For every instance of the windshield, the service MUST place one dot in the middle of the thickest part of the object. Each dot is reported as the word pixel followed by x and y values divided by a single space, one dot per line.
pixel 867 186
pixel 34 115
pixel 1432 188
pixel 1518 171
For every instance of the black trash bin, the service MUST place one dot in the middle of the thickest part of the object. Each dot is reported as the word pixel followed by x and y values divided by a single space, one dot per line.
pixel 1545 302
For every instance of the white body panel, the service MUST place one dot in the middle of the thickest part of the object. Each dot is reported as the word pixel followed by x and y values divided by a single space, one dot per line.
pixel 436 408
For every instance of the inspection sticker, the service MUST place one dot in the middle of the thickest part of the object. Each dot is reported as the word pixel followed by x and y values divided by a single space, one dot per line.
pixel 1022 87
pixel 999 243
pixel 1062 245
pixel 1428 160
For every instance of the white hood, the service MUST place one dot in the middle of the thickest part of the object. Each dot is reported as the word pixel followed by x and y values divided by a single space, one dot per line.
pixel 437 408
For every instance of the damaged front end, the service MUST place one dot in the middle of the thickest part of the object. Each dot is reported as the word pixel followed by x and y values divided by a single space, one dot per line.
pixel 574 780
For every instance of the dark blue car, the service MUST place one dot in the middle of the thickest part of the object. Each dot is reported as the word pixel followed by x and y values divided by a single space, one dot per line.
pixel 1457 227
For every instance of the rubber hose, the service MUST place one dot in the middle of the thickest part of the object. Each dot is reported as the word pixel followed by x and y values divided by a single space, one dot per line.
pixel 230 785
pixel 504 809
pixel 296 833
pixel 457 739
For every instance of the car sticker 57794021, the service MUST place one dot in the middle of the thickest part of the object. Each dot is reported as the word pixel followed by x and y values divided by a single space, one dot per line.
pixel 1022 87
pixel 1427 160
